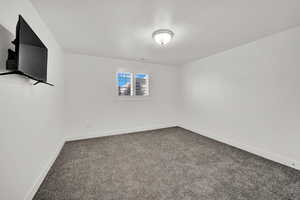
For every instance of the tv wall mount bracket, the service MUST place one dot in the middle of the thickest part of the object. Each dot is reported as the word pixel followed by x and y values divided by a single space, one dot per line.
pixel 22 74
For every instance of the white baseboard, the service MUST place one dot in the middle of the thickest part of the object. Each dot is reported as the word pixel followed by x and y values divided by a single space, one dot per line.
pixel 40 179
pixel 120 131
pixel 268 155
pixel 257 151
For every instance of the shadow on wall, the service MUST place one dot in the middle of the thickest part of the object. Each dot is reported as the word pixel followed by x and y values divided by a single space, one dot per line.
pixel 5 43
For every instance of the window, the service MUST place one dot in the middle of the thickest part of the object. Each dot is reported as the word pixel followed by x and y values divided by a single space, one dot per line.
pixel 129 84
pixel 125 86
pixel 141 84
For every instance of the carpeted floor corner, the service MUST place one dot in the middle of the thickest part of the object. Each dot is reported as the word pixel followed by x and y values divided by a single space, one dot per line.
pixel 165 164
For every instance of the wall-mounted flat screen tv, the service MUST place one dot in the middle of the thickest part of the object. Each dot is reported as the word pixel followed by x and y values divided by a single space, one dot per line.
pixel 30 56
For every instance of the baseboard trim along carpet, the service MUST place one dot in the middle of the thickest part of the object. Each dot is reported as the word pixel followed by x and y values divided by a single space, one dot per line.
pixel 39 181
pixel 41 178
pixel 268 155
pixel 168 163
pixel 120 131
pixel 257 151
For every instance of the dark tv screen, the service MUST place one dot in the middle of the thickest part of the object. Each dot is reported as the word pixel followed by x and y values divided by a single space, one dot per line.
pixel 32 54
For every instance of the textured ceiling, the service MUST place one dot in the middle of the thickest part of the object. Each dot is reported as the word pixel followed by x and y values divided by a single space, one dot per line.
pixel 122 29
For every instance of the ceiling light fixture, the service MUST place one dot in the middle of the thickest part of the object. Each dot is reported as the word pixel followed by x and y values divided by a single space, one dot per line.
pixel 162 36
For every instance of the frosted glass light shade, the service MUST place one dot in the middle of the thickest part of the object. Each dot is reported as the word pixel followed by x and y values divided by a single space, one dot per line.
pixel 163 36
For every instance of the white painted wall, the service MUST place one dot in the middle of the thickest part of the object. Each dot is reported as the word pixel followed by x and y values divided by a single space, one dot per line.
pixel 30 116
pixel 94 109
pixel 248 96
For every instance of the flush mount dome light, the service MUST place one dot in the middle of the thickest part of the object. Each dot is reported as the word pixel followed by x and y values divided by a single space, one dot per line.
pixel 162 36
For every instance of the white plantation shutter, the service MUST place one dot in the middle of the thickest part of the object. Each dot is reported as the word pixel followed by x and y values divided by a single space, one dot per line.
pixel 141 84
pixel 125 83
pixel 129 85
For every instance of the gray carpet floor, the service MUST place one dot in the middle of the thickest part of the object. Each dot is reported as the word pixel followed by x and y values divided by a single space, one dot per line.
pixel 165 164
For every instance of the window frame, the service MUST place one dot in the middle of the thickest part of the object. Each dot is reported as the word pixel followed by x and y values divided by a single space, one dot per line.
pixel 132 84
pixel 148 83
pixel 133 96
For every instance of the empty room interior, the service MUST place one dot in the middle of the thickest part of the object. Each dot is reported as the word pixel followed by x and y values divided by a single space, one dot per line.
pixel 150 100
